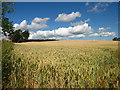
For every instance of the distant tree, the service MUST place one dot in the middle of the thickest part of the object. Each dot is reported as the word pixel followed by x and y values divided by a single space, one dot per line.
pixel 20 36
pixel 119 39
pixel 25 35
pixel 17 36
pixel 116 39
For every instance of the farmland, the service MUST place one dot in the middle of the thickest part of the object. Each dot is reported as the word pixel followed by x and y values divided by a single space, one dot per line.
pixel 65 64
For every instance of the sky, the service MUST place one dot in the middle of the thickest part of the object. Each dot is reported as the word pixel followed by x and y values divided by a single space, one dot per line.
pixel 67 20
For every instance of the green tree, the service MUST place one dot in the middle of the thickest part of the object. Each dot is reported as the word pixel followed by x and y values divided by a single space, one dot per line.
pixel 115 39
pixel 20 36
pixel 7 26
pixel 17 36
pixel 7 7
pixel 25 35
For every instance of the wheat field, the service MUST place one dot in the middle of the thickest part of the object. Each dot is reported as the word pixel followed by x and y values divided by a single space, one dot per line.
pixel 65 64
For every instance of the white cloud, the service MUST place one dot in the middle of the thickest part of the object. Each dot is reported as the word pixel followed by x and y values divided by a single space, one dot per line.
pixel 94 35
pixel 77 36
pixel 87 20
pixel 107 34
pixel 3 37
pixel 104 29
pixel 0 29
pixel 80 23
pixel 40 20
pixel 82 29
pixel 63 33
pixel 22 25
pixel 102 33
pixel 37 23
pixel 36 26
pixel 68 17
pixel 99 7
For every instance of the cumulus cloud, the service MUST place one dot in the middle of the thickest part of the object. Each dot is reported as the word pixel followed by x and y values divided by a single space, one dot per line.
pixel 102 33
pixel 0 29
pixel 77 36
pixel 107 34
pixel 68 17
pixel 94 35
pixel 2 36
pixel 63 33
pixel 40 20
pixel 80 23
pixel 82 29
pixel 37 23
pixel 98 7
pixel 104 29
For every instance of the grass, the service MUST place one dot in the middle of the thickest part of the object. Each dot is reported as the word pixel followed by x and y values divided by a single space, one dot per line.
pixel 65 64
pixel 6 61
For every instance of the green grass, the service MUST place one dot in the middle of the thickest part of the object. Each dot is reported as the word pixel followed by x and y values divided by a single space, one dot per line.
pixel 39 66
pixel 6 62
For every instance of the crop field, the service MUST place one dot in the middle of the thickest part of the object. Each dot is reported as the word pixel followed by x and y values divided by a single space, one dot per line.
pixel 65 64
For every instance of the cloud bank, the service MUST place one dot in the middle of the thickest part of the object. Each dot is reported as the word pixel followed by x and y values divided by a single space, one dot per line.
pixel 68 17
pixel 77 30
pixel 63 33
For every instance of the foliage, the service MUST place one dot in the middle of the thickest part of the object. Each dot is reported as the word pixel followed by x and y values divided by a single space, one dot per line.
pixel 7 27
pixel 93 65
pixel 7 7
pixel 20 36
pixel 116 39
pixel 25 35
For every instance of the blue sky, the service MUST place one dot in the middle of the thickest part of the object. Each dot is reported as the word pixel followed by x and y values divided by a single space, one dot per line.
pixel 102 20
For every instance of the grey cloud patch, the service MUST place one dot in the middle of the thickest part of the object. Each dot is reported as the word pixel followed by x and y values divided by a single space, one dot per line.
pixel 87 4
pixel 98 7
pixel 80 23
